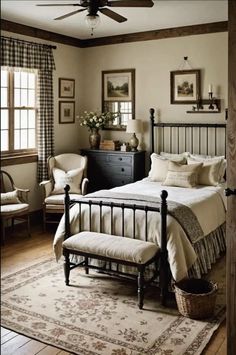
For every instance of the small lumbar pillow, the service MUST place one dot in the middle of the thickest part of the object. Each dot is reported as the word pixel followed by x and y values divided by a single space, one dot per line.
pixel 72 178
pixel 175 156
pixel 159 167
pixel 9 198
pixel 210 173
pixel 182 175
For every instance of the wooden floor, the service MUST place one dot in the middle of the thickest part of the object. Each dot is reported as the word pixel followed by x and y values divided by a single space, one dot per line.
pixel 18 253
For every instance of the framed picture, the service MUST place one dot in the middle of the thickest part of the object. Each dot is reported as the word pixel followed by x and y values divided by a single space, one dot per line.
pixel 184 86
pixel 66 111
pixel 66 88
pixel 118 85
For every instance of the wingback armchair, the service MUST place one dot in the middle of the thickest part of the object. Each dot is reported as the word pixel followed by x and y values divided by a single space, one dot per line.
pixel 63 169
pixel 14 203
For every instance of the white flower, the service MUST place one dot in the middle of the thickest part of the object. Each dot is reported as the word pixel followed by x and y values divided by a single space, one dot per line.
pixel 97 124
pixel 91 120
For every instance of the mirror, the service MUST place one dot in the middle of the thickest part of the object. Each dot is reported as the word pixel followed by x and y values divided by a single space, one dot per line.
pixel 118 95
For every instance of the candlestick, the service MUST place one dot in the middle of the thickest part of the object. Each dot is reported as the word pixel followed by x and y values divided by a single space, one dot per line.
pixel 210 88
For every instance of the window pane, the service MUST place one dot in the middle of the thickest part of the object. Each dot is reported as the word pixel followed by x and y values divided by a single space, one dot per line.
pixel 31 78
pixel 31 115
pixel 17 79
pixel 4 119
pixel 31 143
pixel 24 80
pixel 17 97
pixel 17 119
pixel 17 139
pixel 23 138
pixel 24 119
pixel 31 94
pixel 23 96
pixel 4 140
pixel 4 97
pixel 4 78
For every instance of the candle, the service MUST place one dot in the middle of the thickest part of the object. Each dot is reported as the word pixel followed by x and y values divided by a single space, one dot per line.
pixel 210 88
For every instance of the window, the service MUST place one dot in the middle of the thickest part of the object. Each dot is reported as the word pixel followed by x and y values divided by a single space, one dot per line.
pixel 18 112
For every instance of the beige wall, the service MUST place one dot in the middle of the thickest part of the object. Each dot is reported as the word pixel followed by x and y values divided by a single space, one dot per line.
pixel 153 61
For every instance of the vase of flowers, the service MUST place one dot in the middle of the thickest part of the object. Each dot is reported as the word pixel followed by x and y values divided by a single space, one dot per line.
pixel 95 121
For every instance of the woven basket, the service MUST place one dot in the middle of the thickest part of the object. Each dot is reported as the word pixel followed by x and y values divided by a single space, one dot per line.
pixel 196 298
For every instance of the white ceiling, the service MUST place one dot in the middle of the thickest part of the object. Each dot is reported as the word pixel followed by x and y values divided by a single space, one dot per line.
pixel 164 14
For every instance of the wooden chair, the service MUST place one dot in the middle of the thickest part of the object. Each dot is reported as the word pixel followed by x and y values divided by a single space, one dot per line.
pixel 53 198
pixel 14 203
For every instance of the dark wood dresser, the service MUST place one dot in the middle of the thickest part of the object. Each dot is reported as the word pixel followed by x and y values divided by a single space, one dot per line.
pixel 107 169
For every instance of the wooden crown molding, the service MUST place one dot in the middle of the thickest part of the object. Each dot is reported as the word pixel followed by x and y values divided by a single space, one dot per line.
pixel 125 38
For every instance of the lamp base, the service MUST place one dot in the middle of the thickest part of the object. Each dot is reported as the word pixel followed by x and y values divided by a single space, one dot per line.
pixel 134 142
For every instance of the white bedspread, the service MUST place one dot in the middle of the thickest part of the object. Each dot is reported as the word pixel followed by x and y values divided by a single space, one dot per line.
pixel 207 203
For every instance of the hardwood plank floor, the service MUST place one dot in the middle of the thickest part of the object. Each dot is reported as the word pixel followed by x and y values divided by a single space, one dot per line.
pixel 20 252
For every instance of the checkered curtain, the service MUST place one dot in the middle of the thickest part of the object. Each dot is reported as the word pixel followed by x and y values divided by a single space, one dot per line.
pixel 23 54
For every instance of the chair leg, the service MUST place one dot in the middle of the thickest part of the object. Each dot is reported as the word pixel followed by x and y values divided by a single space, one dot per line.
pixel 44 218
pixel 12 224
pixel 2 231
pixel 67 267
pixel 140 286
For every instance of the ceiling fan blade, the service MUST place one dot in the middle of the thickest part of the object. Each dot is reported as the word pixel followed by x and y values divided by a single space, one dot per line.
pixel 68 15
pixel 113 15
pixel 131 3
pixel 58 5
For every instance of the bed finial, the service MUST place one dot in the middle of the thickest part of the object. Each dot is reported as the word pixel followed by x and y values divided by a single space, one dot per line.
pixel 152 113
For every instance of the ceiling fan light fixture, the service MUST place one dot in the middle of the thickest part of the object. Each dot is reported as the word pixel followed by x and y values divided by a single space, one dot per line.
pixel 92 21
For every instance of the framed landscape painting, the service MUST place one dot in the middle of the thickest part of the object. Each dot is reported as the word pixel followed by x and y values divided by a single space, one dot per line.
pixel 118 85
pixel 66 88
pixel 185 86
pixel 66 111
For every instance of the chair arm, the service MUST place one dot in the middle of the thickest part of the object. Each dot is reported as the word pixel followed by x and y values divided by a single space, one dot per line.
pixel 22 194
pixel 47 186
pixel 84 186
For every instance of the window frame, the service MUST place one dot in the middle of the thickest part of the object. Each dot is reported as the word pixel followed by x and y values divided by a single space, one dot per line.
pixel 18 156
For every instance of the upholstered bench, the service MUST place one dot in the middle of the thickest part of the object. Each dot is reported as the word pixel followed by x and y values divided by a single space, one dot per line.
pixel 111 248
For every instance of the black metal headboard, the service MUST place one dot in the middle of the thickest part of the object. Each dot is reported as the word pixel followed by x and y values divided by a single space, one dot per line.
pixel 199 138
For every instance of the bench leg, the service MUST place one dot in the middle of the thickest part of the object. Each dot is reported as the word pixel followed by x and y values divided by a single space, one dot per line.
pixel 140 286
pixel 86 265
pixel 67 267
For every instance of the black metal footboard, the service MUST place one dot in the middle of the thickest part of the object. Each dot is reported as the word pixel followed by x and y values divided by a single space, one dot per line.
pixel 164 270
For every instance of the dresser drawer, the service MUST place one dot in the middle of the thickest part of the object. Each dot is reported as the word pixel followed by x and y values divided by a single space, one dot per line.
pixel 111 170
pixel 121 180
pixel 119 159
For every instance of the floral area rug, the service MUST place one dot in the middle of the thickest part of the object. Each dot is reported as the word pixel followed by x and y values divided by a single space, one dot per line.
pixel 98 314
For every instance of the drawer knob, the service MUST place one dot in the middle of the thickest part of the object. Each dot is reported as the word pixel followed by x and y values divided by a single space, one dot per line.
pixel 120 158
pixel 122 169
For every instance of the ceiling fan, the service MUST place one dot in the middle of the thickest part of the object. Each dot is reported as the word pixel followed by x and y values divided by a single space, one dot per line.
pixel 95 6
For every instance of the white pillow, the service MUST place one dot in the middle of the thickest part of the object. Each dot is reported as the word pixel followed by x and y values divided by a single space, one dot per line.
pixel 182 175
pixel 71 177
pixel 10 198
pixel 209 173
pixel 211 159
pixel 159 167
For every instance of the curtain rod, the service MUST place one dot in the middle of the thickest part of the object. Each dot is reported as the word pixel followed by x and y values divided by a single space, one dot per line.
pixel 22 40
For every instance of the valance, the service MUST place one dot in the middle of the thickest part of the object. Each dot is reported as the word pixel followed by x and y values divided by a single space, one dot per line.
pixel 23 54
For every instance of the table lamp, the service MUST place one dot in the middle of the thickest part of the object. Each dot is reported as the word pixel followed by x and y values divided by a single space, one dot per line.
pixel 134 126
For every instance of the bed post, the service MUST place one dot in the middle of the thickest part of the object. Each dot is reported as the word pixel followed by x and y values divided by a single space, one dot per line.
pixel 164 265
pixel 152 129
pixel 67 213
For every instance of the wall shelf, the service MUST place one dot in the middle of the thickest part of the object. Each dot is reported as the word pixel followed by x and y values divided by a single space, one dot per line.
pixel 206 106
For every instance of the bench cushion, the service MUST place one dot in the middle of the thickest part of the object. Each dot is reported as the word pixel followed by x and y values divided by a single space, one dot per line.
pixel 110 246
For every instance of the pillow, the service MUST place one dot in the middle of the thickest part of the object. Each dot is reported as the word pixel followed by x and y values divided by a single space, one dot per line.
pixel 174 156
pixel 203 158
pixel 10 198
pixel 159 167
pixel 71 177
pixel 182 175
pixel 210 172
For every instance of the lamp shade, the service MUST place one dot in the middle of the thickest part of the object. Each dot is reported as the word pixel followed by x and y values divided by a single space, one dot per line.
pixel 134 126
pixel 92 21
